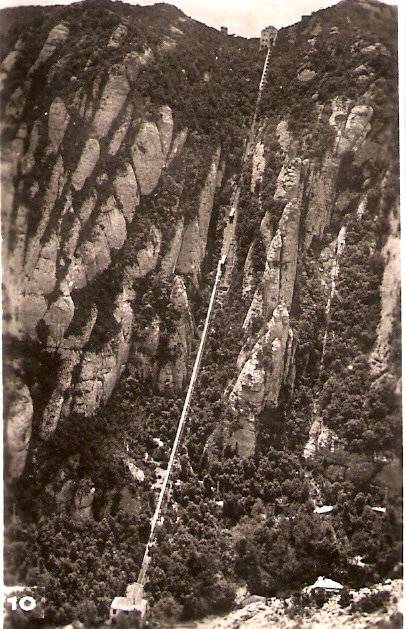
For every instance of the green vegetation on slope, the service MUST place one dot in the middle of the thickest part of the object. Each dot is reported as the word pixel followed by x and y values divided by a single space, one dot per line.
pixel 265 532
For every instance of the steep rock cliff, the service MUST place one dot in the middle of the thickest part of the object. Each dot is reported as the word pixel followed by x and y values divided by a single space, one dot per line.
pixel 103 188
pixel 314 197
pixel 119 172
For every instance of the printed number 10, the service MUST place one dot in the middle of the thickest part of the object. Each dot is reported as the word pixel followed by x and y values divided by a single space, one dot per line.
pixel 26 603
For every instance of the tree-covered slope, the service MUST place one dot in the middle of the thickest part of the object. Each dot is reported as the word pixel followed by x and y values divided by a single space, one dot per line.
pixel 124 129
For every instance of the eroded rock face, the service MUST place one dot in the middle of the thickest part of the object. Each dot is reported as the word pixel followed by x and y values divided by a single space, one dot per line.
pixel 262 372
pixel 117 36
pixel 195 234
pixel 78 231
pixel 263 369
pixel 148 158
pixel 108 234
pixel 190 252
pixel 58 317
pixel 144 349
pixel 169 260
pixel 390 297
pixel 173 373
pixel 121 132
pixel 28 161
pixel 19 424
pixel 113 98
pixel 177 144
pixel 356 129
pixel 127 192
pixel 8 64
pixel 134 61
pixel 58 121
pixel 283 134
pixel 52 192
pixel 307 191
pixel 86 164
pixel 83 500
pixel 258 164
pixel 321 439
pixel 57 36
pixel 165 128
pixel 146 259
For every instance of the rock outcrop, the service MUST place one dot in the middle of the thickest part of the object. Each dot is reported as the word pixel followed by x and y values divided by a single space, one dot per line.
pixel 195 234
pixel 308 192
pixel 148 158
pixel 261 375
pixel 83 500
pixel 112 100
pixel 83 221
pixel 58 120
pixel 390 297
pixel 19 424
pixel 57 36
pixel 261 614
pixel 173 374
pixel 86 164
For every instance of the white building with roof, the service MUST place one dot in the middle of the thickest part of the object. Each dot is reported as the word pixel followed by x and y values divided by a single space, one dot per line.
pixel 325 509
pixel 132 602
pixel 328 585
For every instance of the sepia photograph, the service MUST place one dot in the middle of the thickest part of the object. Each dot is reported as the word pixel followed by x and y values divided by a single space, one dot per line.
pixel 201 314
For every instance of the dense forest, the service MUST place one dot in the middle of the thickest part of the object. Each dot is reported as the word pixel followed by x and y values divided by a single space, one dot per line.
pixel 78 511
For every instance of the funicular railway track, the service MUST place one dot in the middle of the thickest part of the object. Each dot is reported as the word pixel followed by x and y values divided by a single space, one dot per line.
pixel 135 591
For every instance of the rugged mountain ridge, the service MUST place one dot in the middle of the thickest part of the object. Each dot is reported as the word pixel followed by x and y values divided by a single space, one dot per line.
pixel 76 174
pixel 123 144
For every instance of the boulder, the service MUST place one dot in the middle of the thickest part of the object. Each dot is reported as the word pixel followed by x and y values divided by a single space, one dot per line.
pixel 306 75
